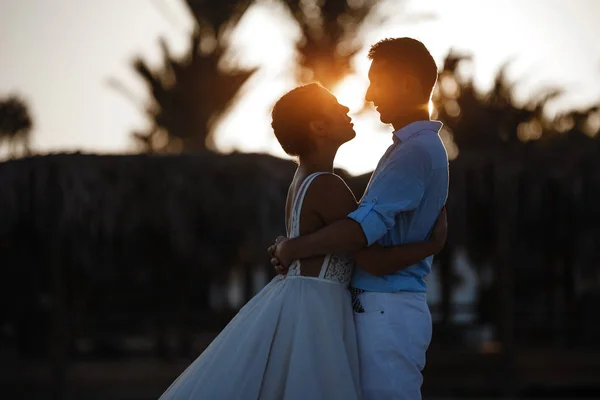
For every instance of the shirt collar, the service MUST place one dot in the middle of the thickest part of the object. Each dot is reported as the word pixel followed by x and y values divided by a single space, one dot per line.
pixel 414 128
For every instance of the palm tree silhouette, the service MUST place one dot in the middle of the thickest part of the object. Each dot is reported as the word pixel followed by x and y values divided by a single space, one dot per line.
pixel 189 94
pixel 327 47
pixel 519 184
pixel 330 35
pixel 492 119
pixel 15 124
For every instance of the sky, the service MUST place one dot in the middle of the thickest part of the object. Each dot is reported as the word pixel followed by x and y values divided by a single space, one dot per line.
pixel 61 55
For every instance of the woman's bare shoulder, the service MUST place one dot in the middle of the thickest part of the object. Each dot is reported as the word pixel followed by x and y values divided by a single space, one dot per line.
pixel 330 197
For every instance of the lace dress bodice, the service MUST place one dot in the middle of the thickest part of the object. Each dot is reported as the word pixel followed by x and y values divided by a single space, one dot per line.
pixel 335 268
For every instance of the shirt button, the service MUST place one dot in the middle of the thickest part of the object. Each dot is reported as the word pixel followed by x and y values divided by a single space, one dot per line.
pixel 374 200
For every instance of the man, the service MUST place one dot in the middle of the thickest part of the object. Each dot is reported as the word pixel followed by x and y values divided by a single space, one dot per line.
pixel 401 204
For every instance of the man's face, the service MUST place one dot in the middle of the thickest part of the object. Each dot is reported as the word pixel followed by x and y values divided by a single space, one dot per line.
pixel 389 91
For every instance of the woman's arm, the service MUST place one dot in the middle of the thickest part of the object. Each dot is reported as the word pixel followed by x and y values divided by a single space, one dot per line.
pixel 379 260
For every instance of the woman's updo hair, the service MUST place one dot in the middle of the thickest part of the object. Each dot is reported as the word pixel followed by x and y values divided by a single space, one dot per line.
pixel 292 114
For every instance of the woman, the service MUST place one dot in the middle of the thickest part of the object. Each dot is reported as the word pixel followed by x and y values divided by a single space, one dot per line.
pixel 295 339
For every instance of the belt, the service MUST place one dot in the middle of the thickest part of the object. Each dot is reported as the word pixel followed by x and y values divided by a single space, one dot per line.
pixel 356 306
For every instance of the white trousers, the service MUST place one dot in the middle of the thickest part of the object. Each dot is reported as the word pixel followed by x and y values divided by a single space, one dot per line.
pixel 393 335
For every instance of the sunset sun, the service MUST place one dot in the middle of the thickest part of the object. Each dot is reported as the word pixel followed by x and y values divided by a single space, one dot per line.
pixel 351 92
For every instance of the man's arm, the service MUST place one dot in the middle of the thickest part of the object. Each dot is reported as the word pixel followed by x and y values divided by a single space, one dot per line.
pixel 379 260
pixel 336 202
pixel 399 188
pixel 342 236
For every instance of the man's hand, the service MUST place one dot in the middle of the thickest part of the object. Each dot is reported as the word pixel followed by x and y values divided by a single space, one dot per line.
pixel 273 250
pixel 440 232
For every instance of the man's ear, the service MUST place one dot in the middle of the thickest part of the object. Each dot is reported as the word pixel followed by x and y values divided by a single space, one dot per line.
pixel 318 127
pixel 413 85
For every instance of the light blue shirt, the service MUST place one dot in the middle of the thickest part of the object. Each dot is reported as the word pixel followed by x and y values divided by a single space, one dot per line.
pixel 402 201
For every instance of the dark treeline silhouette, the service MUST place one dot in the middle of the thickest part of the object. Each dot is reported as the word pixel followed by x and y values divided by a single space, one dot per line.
pixel 114 257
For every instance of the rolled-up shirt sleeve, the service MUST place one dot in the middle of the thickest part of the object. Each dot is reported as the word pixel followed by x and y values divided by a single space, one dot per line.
pixel 398 187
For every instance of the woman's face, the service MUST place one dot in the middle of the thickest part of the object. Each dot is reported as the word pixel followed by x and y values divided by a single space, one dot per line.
pixel 338 124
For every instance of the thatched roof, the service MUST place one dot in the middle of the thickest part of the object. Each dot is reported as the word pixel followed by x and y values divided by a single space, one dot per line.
pixel 120 209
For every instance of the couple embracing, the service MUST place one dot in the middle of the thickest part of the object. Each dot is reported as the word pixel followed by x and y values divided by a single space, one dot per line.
pixel 346 317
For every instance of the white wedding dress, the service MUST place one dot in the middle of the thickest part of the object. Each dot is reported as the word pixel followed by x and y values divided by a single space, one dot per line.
pixel 295 340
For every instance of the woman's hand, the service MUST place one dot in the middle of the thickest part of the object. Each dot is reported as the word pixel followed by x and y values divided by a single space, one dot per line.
pixel 273 251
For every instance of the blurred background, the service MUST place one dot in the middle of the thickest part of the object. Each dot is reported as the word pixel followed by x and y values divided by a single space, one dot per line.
pixel 140 182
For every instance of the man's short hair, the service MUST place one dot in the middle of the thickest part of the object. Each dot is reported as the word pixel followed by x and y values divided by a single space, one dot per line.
pixel 408 55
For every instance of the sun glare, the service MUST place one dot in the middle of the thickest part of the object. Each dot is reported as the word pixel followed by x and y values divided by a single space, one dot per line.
pixel 351 92
pixel 431 108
